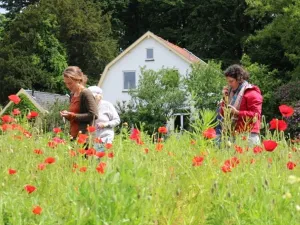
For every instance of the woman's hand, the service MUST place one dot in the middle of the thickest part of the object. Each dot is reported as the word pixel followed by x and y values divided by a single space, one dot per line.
pixel 101 125
pixel 64 113
pixel 225 91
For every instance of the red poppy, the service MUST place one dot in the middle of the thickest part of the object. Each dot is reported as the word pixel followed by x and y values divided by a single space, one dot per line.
pixel 29 188
pixel 27 134
pixel 209 133
pixel 72 153
pixel 38 151
pixel 83 169
pixel 159 147
pixel 98 140
pixel 146 150
pixel 226 168
pixel 75 165
pixel 12 171
pixel 257 149
pixel 16 112
pixel 52 144
pixel 41 166
pixel 58 140
pixel 32 114
pixel 90 152
pixel 270 145
pixel 37 210
pixel 108 145
pixel 91 129
pixel 81 151
pixel 270 160
pixel 101 167
pixel 110 155
pixel 56 130
pixel 198 160
pixel 7 119
pixel 238 149
pixel 252 161
pixel 5 127
pixel 14 98
pixel 286 111
pixel 278 125
pixel 50 160
pixel 162 130
pixel 135 134
pixel 82 138
pixel 100 154
pixel 290 165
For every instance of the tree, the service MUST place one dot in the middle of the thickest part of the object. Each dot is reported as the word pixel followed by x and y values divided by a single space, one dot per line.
pixel 205 83
pixel 158 95
pixel 277 44
pixel 30 53
pixel 15 6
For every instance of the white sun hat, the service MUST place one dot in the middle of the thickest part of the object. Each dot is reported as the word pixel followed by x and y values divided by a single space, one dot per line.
pixel 95 90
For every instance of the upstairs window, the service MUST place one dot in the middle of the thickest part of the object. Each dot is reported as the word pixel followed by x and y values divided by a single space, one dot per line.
pixel 129 80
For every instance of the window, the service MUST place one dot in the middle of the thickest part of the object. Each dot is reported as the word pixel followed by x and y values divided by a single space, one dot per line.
pixel 149 54
pixel 129 80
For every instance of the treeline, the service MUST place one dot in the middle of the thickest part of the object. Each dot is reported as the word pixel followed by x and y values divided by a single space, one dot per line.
pixel 39 38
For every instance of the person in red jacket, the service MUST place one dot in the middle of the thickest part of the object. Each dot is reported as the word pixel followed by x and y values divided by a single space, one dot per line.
pixel 244 101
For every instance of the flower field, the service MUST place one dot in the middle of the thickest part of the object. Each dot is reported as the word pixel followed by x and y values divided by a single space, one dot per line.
pixel 186 179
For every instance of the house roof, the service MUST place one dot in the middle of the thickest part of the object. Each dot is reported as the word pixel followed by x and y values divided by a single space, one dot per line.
pixel 43 101
pixel 181 52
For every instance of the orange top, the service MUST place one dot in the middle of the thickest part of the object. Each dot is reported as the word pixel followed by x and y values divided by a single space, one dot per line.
pixel 74 108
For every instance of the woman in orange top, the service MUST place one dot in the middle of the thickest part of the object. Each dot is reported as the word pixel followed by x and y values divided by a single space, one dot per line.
pixel 83 108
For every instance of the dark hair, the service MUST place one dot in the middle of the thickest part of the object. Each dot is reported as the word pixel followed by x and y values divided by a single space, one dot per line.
pixel 237 72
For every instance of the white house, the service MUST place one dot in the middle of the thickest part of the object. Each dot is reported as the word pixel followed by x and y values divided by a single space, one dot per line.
pixel 150 51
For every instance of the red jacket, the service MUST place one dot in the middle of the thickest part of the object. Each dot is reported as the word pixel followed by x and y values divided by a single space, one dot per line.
pixel 251 106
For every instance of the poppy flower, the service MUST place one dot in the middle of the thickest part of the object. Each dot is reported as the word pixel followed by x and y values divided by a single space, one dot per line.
pixel 56 130
pixel 38 151
pixel 134 134
pixel 209 133
pixel 162 130
pixel 91 129
pixel 29 188
pixel 270 145
pixel 12 171
pixel 257 149
pixel 5 127
pixel 238 149
pixel 226 168
pixel 72 153
pixel 108 145
pixel 41 166
pixel 16 112
pixel 198 160
pixel 52 144
pixel 110 155
pixel 14 98
pixel 159 147
pixel 50 160
pixel 252 161
pixel 83 169
pixel 27 134
pixel 58 140
pixel 98 140
pixel 32 114
pixel 82 138
pixel 100 154
pixel 290 165
pixel 37 210
pixel 7 119
pixel 278 125
pixel 81 151
pixel 90 152
pixel 75 165
pixel 286 111
pixel 146 150
pixel 101 167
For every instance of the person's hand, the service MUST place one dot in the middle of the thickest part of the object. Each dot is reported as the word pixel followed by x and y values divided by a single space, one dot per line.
pixel 101 125
pixel 64 113
pixel 233 110
pixel 225 91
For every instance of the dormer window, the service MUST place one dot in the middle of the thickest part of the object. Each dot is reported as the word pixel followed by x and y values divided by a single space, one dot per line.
pixel 149 54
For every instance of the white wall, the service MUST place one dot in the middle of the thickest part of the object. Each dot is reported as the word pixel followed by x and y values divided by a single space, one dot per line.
pixel 112 85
